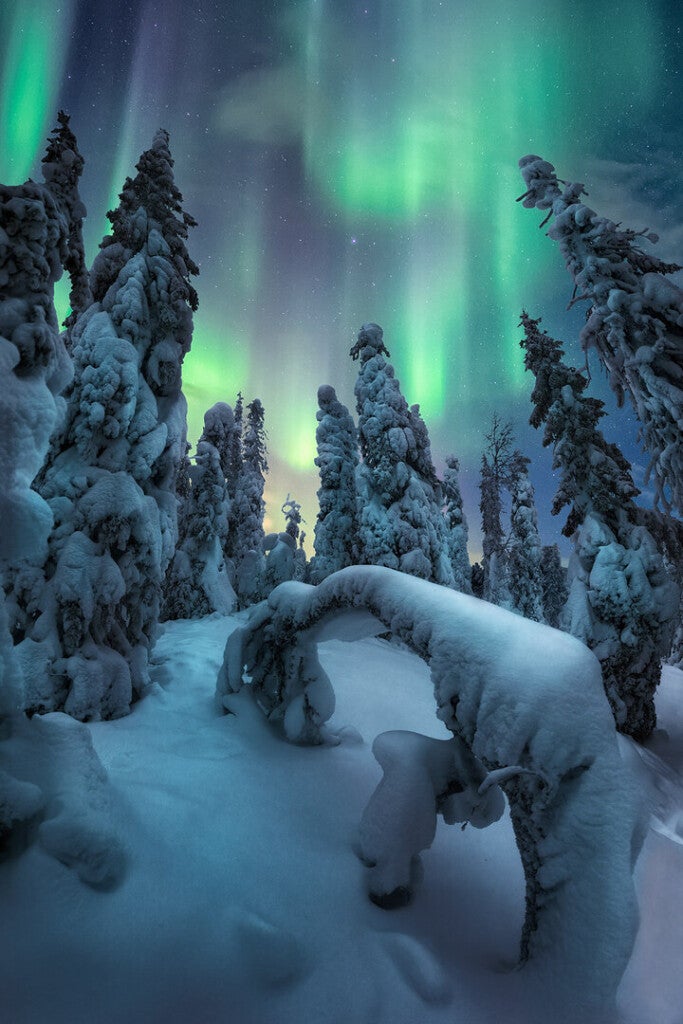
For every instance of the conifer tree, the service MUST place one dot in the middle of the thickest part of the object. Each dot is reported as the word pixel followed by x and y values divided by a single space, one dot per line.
pixel 336 528
pixel 456 525
pixel 62 167
pixel 495 466
pixel 197 582
pixel 111 474
pixel 554 581
pixel 283 561
pixel 621 601
pixel 400 521
pixel 634 319
pixel 249 508
pixel 524 557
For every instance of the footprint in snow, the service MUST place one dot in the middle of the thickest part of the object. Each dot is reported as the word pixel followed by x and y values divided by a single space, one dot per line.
pixel 418 968
pixel 271 957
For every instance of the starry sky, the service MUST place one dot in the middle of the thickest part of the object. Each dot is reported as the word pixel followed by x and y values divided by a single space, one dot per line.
pixel 356 160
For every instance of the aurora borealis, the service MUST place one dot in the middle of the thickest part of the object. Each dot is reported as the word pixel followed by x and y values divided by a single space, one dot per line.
pixel 353 161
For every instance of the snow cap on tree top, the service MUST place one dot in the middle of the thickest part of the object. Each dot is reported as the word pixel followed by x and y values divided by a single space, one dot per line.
pixel 370 343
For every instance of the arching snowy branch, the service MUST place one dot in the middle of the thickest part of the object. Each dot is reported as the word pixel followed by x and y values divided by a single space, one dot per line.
pixel 525 699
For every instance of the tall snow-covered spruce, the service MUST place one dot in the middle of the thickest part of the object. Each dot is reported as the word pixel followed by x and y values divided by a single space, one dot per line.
pixel 400 521
pixel 495 468
pixel 197 581
pixel 111 474
pixel 524 556
pixel 336 528
pixel 621 602
pixel 62 168
pixel 249 507
pixel 635 317
pixel 456 524
pixel 554 584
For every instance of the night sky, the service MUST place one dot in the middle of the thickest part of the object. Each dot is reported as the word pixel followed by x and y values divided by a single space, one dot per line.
pixel 352 161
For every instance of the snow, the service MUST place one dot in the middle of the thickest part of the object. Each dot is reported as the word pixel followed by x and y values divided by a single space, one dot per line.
pixel 242 898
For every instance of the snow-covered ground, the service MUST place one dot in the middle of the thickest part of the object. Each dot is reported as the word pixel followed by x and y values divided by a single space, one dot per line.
pixel 243 900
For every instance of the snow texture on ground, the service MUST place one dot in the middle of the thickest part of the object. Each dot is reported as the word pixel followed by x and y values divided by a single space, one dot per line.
pixel 243 900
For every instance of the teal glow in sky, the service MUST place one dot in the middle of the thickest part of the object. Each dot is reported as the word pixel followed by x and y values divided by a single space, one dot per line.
pixel 353 161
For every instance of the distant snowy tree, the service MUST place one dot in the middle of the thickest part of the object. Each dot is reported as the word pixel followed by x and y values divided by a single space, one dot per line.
pixel 336 528
pixel 233 468
pixel 495 465
pixel 400 520
pixel 621 601
pixel 456 525
pixel 301 564
pixel 635 317
pixel 554 581
pixel 478 579
pixel 197 582
pixel 249 508
pixel 524 577
pixel 111 474
pixel 62 167
pixel 283 561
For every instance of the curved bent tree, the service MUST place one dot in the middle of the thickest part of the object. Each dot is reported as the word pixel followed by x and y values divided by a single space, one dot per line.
pixel 525 699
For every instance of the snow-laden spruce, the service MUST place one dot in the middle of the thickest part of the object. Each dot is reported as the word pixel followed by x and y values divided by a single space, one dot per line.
pixel 621 602
pixel 52 785
pixel 635 317
pixel 554 584
pixel 526 704
pixel 62 168
pixel 400 524
pixel 524 555
pixel 495 471
pixel 197 581
pixel 111 473
pixel 336 528
pixel 456 525
pixel 248 508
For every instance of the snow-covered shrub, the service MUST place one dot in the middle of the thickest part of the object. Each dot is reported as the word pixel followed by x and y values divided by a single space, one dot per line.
pixel 634 320
pixel 525 700
pixel 621 602
pixel 423 777
pixel 400 523
pixel 336 528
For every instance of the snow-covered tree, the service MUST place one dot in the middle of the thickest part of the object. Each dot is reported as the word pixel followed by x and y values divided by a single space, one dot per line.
pixel 621 601
pixel 400 521
pixel 283 558
pixel 35 367
pixel 635 317
pixel 249 508
pixel 456 525
pixel 111 474
pixel 336 528
pixel 495 467
pixel 62 167
pixel 524 578
pixel 52 785
pixel 554 582
pixel 197 581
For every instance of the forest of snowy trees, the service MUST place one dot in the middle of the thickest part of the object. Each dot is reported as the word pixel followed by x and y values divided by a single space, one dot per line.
pixel 113 525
